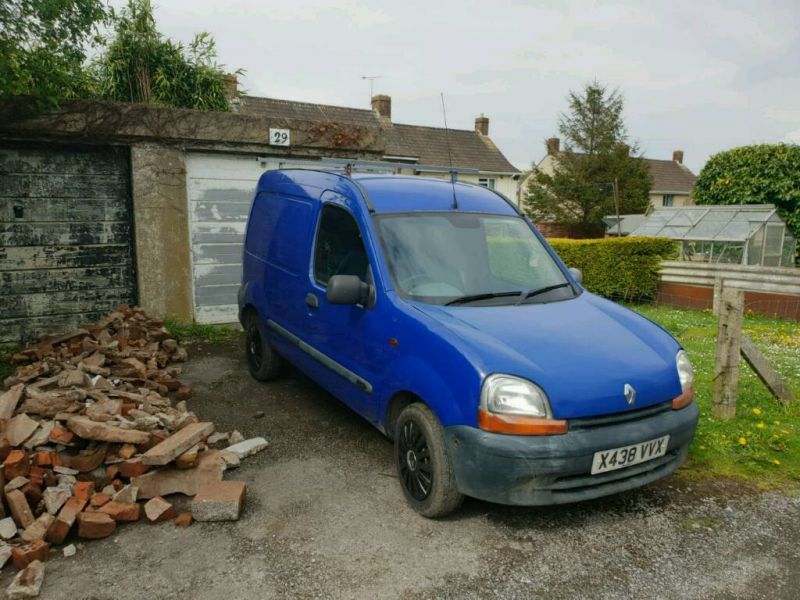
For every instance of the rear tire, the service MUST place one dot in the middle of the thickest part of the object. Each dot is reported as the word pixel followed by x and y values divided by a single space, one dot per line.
pixel 423 463
pixel 263 362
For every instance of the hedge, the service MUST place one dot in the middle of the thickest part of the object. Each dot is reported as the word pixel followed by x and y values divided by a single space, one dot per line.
pixel 620 268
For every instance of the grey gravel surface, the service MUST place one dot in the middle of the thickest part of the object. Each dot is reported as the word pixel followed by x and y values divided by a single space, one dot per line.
pixel 325 518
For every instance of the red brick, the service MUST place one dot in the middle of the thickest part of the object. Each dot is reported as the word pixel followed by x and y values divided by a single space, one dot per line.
pixel 99 500
pixel 157 509
pixel 122 511
pixel 111 471
pixel 25 554
pixel 126 451
pixel 16 464
pixel 59 435
pixel 43 458
pixel 83 489
pixel 95 525
pixel 61 526
pixel 76 504
pixel 219 501
pixel 133 467
pixel 184 519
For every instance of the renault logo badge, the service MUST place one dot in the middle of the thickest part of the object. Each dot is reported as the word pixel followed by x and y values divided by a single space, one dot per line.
pixel 630 393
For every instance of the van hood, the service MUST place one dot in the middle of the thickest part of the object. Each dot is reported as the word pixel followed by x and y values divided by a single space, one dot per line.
pixel 581 352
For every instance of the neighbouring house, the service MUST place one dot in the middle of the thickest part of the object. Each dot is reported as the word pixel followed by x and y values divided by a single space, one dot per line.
pixel 106 203
pixel 673 182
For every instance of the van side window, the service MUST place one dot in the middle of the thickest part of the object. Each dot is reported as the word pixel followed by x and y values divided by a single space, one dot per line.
pixel 339 249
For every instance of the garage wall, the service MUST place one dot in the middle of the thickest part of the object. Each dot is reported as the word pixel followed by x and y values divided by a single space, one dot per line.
pixel 66 242
pixel 220 191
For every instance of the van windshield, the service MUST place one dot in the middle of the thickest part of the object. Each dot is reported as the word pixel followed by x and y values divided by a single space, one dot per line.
pixel 469 259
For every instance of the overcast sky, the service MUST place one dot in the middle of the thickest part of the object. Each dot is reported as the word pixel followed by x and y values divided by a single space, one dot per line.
pixel 699 76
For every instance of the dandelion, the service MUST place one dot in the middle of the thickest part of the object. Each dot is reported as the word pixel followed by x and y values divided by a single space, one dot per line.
pixel 784 432
pixel 777 422
pixel 702 447
pixel 775 461
pixel 742 441
pixel 761 425
pixel 756 411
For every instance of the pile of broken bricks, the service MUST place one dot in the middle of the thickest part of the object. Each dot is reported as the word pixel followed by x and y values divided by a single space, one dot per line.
pixel 90 436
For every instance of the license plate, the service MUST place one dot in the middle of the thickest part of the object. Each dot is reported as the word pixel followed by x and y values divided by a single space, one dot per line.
pixel 626 456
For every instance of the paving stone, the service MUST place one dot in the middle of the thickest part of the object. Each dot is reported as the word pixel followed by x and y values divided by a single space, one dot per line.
pixel 177 444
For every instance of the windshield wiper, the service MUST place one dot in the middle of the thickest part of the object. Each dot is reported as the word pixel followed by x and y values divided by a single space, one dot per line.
pixel 547 288
pixel 486 296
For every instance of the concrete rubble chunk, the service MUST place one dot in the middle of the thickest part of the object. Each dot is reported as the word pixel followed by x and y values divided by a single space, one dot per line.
pixel 165 481
pixel 5 554
pixel 20 428
pixel 177 444
pixel 70 550
pixel 27 583
pixel 248 447
pixel 8 528
pixel 38 529
pixel 219 501
pixel 235 437
pixel 127 494
pixel 9 400
pixel 54 498
pixel 41 436
pixel 93 430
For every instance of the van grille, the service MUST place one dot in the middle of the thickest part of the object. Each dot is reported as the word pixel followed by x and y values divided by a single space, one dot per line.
pixel 624 417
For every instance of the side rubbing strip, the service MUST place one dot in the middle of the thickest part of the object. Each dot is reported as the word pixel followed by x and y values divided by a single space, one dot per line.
pixel 323 358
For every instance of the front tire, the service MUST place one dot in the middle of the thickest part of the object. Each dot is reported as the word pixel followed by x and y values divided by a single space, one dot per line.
pixel 263 362
pixel 423 463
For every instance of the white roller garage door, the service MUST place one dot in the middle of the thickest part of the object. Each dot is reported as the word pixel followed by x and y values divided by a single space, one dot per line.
pixel 220 191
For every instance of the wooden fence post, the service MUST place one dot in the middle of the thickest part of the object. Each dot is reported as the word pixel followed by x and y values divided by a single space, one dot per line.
pixel 718 285
pixel 729 342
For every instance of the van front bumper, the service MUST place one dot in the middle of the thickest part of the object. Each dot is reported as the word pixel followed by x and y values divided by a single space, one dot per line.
pixel 556 469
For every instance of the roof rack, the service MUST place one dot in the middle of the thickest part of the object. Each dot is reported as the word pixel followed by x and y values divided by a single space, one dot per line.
pixel 349 166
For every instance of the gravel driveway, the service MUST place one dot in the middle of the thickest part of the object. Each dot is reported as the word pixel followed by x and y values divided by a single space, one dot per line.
pixel 325 517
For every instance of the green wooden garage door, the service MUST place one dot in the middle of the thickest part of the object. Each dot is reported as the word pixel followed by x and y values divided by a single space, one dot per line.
pixel 66 237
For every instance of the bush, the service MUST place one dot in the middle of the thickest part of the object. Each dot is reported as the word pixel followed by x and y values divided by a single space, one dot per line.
pixel 619 268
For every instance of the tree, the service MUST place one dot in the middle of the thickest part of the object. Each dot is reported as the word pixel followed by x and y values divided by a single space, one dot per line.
pixel 140 65
pixel 43 45
pixel 761 174
pixel 580 192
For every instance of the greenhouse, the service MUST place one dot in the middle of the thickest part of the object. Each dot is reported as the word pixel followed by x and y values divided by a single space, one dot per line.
pixel 747 234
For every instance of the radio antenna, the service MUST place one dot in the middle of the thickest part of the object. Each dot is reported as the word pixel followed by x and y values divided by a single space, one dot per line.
pixel 449 153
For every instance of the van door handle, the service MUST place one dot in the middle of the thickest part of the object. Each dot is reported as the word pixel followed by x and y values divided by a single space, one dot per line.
pixel 312 300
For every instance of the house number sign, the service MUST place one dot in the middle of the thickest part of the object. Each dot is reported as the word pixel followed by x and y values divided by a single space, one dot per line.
pixel 279 137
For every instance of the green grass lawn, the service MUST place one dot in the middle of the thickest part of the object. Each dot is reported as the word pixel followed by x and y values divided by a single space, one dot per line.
pixel 760 445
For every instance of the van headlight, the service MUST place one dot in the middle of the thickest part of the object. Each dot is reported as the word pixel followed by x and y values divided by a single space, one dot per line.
pixel 686 377
pixel 685 370
pixel 516 406
pixel 509 395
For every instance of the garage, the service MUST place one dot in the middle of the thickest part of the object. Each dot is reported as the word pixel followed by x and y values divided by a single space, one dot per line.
pixel 220 192
pixel 66 242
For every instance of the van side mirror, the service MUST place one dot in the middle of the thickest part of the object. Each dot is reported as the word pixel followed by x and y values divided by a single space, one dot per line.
pixel 347 289
pixel 577 274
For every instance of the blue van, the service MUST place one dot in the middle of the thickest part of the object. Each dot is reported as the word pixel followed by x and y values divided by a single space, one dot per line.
pixel 438 312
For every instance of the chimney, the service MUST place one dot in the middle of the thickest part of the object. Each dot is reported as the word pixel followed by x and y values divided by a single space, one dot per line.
pixel 677 156
pixel 482 125
pixel 231 85
pixel 553 145
pixel 382 105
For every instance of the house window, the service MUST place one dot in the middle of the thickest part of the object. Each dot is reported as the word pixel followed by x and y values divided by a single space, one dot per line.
pixel 487 182
pixel 667 200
